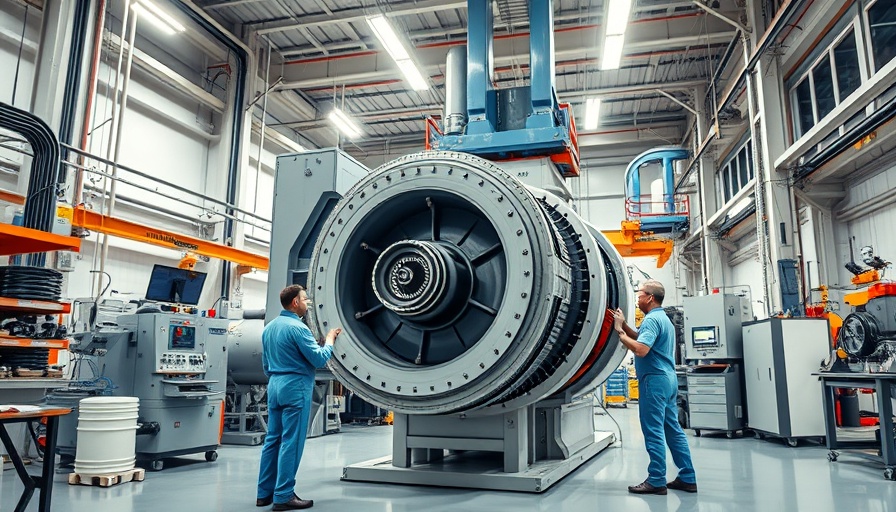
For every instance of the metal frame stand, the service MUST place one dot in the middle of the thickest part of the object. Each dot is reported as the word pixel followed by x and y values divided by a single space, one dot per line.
pixel 248 411
pixel 526 450
pixel 883 385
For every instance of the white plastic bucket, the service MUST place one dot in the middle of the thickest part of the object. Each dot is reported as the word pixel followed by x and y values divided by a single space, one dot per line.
pixel 107 435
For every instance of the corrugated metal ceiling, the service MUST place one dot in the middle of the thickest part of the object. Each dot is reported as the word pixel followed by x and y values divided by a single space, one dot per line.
pixel 327 43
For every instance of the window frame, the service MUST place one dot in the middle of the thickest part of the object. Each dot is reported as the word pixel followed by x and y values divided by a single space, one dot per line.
pixel 870 65
pixel 855 28
pixel 731 169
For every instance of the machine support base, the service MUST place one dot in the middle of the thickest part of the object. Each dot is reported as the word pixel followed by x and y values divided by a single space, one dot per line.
pixel 477 470
pixel 243 438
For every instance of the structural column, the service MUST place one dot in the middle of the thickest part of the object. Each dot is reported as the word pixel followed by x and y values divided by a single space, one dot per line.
pixel 712 255
pixel 774 205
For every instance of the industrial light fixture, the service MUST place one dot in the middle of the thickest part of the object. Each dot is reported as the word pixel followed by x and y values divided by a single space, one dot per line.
pixel 383 31
pixel 617 17
pixel 157 17
pixel 614 33
pixel 592 113
pixel 345 124
pixel 612 55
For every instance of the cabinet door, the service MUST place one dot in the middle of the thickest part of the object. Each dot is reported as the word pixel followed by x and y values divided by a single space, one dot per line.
pixel 762 409
pixel 806 343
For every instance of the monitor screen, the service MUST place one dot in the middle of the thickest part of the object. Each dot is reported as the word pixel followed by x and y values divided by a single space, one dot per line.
pixel 702 336
pixel 181 337
pixel 176 285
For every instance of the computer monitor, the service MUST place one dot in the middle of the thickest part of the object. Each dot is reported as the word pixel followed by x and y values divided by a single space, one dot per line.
pixel 175 285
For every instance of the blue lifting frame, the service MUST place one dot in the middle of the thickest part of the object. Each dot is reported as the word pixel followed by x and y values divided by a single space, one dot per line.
pixel 668 214
pixel 549 128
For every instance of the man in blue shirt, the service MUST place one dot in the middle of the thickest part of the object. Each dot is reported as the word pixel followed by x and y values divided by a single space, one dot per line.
pixel 654 345
pixel 290 355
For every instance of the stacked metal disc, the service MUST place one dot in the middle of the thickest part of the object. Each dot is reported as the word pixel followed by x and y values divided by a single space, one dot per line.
pixel 32 283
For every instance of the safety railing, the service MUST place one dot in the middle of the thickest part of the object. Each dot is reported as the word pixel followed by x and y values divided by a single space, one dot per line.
pixel 655 207
pixel 432 141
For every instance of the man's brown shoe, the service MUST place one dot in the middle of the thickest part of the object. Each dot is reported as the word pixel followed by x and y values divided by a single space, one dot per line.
pixel 680 485
pixel 295 503
pixel 646 488
pixel 263 502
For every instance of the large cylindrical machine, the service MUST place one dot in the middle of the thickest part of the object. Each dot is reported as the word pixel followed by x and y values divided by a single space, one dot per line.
pixel 461 290
pixel 244 346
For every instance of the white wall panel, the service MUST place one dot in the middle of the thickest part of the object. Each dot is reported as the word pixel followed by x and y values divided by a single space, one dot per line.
pixel 258 197
pixel 747 273
pixel 868 220
pixel 151 143
pixel 12 16
pixel 254 290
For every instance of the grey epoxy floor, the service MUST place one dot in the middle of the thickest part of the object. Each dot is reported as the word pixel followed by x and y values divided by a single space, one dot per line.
pixel 733 474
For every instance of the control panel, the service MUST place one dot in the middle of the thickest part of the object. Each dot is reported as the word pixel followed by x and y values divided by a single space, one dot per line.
pixel 712 326
pixel 184 354
pixel 182 362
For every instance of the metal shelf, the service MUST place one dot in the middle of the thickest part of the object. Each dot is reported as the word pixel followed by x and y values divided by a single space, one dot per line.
pixel 34 306
pixel 21 240
pixel 32 383
pixel 12 341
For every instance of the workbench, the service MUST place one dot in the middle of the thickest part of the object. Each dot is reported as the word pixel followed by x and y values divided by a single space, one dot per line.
pixel 883 384
pixel 44 482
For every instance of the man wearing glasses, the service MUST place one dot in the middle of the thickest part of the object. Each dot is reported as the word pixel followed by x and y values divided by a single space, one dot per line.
pixel 289 357
pixel 653 345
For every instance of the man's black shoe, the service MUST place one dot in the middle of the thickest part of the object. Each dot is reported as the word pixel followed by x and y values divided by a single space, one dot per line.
pixel 263 502
pixel 679 485
pixel 646 488
pixel 295 503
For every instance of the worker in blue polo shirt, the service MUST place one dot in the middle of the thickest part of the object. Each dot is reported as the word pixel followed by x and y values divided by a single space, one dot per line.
pixel 289 357
pixel 654 347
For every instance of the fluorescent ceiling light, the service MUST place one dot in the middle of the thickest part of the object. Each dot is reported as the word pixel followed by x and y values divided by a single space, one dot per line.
pixel 617 17
pixel 612 56
pixel 345 124
pixel 383 31
pixel 157 17
pixel 592 113
pixel 413 76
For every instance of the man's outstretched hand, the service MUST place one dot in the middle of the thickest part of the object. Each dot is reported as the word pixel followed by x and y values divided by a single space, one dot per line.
pixel 332 335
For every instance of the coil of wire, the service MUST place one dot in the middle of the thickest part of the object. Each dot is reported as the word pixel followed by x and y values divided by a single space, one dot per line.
pixel 31 283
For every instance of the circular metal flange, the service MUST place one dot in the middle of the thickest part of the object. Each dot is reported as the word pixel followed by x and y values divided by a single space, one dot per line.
pixel 493 225
pixel 618 282
pixel 582 342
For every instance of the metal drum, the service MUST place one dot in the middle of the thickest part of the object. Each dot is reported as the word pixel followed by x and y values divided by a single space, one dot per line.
pixel 244 352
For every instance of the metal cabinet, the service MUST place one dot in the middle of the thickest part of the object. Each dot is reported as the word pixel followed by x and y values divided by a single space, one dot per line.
pixel 715 400
pixel 780 355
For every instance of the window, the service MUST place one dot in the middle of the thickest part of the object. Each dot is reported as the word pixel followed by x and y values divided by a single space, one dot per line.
pixel 750 159
pixel 834 75
pixel 804 106
pixel 735 174
pixel 849 77
pixel 726 180
pixel 824 88
pixel 882 26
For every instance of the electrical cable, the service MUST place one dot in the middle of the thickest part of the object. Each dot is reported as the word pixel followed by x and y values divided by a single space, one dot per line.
pixel 108 284
pixel 618 428
pixel 217 301
pixel 33 432
pixel 30 283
